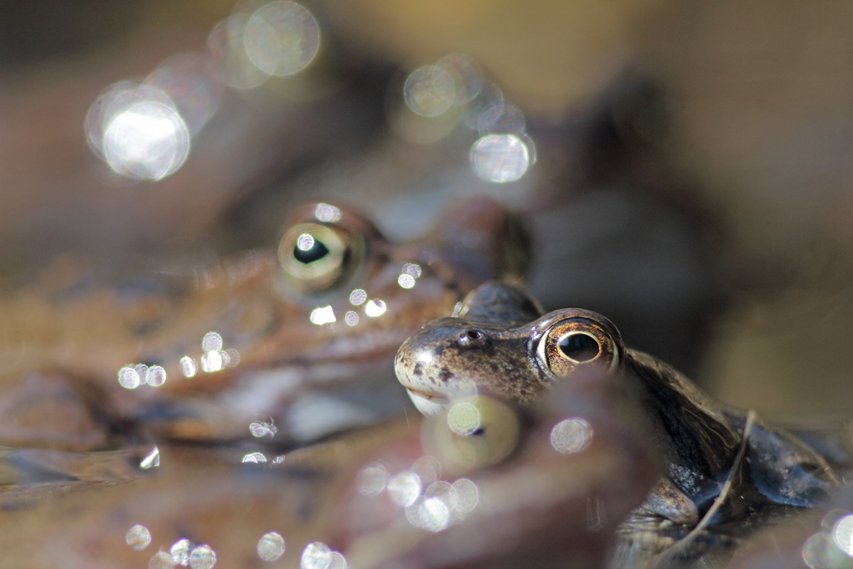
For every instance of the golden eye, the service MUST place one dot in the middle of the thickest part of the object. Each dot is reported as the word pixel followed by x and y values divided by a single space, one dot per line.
pixel 317 258
pixel 576 342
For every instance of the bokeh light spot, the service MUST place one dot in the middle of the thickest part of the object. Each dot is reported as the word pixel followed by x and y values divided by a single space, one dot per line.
pixel 500 158
pixel 323 315
pixel 375 308
pixel 282 38
pixel 571 435
pixel 316 555
pixel 148 140
pixel 138 537
pixel 371 480
pixel 429 91
pixel 270 546
pixel 128 378
pixel 463 418
pixel 202 557
pixel 404 488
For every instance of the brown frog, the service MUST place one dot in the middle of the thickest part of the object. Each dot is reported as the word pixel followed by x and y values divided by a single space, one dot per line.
pixel 727 471
pixel 201 356
pixel 391 496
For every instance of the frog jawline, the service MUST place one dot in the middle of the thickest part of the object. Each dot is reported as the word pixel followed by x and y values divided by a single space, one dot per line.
pixel 428 405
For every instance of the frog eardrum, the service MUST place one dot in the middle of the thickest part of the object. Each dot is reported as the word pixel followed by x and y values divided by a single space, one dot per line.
pixel 577 341
pixel 317 258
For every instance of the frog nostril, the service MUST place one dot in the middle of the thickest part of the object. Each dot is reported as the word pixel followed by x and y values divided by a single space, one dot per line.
pixel 472 338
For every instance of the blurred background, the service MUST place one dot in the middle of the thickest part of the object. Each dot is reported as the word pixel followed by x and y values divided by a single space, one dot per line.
pixel 687 164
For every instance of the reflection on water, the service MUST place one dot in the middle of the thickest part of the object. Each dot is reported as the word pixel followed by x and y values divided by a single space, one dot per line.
pixel 254 457
pixel 151 460
pixel 260 430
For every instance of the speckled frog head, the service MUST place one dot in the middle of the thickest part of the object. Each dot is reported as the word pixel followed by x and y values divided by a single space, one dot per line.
pixel 724 467
pixel 501 340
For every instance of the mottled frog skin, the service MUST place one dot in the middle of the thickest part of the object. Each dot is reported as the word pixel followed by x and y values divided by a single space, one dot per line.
pixel 329 306
pixel 501 342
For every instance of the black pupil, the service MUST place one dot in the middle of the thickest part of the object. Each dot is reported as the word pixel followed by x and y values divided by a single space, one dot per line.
pixel 315 253
pixel 579 347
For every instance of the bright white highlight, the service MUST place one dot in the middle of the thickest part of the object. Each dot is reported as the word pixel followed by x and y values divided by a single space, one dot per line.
pixel 375 308
pixel 324 315
pixel 500 158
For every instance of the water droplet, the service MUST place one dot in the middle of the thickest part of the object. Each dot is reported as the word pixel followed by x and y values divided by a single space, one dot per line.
pixel 270 546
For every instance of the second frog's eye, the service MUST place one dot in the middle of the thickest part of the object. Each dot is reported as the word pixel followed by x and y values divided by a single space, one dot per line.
pixel 316 258
pixel 575 342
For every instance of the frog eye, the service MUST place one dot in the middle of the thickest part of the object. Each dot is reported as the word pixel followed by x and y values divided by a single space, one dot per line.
pixel 570 344
pixel 317 258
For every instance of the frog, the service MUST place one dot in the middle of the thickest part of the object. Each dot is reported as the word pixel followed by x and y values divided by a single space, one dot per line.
pixel 727 471
pixel 345 495
pixel 205 353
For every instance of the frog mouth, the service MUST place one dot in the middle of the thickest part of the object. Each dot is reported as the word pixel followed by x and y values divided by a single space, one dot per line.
pixel 429 404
